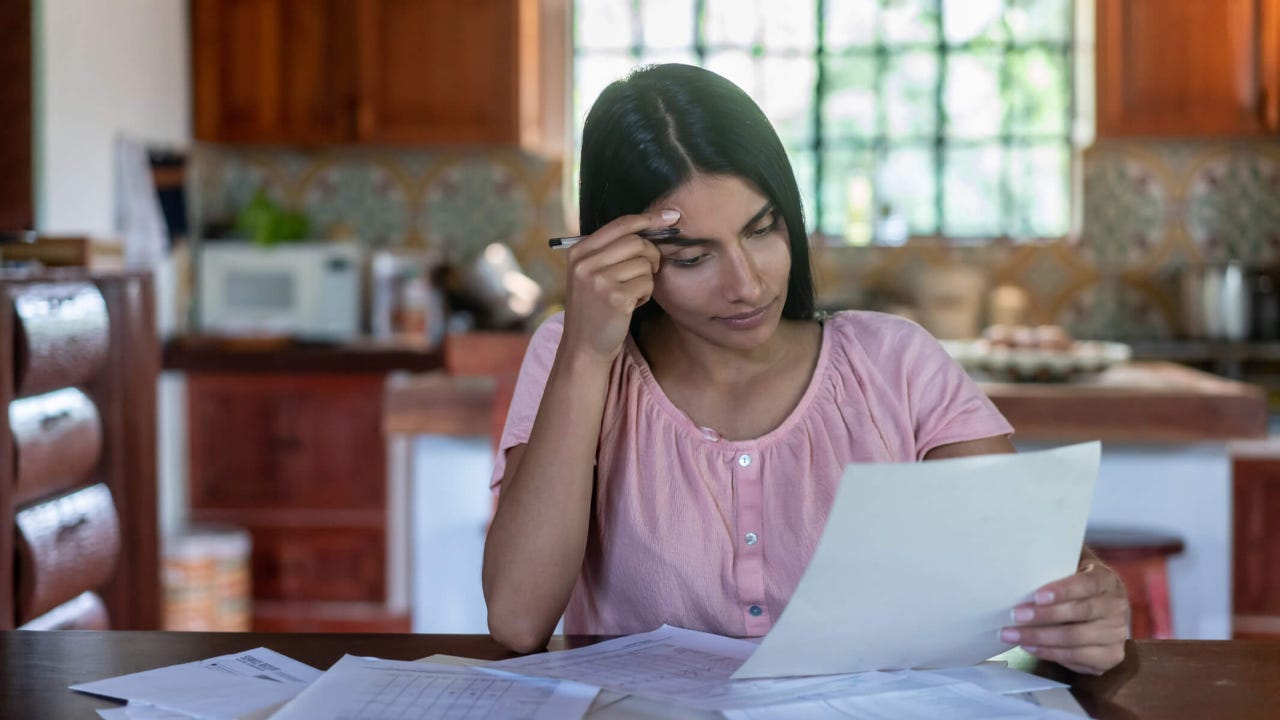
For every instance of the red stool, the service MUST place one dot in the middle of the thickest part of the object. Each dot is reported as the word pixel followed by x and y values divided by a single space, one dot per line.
pixel 1140 558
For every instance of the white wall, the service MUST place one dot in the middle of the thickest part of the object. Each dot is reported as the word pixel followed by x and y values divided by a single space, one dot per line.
pixel 103 67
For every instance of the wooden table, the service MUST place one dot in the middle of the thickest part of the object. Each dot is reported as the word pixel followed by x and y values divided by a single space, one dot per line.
pixel 1170 679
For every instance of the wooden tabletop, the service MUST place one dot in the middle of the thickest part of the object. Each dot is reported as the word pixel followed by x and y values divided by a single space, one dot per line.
pixel 1165 679
pixel 1156 402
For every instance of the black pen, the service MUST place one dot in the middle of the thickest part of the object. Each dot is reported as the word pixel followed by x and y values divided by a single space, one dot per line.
pixel 656 234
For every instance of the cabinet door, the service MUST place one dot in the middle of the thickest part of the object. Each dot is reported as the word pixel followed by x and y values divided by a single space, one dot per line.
pixel 440 71
pixel 273 70
pixel 1256 547
pixel 286 442
pixel 1184 67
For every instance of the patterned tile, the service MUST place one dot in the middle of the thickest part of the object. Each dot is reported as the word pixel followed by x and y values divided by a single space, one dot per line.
pixel 1233 206
pixel 1114 308
pixel 472 202
pixel 364 199
pixel 1125 211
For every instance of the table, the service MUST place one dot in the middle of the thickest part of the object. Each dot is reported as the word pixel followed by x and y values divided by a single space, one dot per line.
pixel 1165 679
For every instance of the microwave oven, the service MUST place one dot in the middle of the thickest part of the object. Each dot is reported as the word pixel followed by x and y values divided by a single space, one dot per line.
pixel 305 290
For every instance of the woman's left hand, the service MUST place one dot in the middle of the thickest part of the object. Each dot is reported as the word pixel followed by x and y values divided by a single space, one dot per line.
pixel 1080 622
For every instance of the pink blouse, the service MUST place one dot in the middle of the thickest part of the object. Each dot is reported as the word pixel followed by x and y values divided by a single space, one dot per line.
pixel 710 534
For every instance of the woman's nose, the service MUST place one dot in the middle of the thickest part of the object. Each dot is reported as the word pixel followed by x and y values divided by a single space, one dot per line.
pixel 740 276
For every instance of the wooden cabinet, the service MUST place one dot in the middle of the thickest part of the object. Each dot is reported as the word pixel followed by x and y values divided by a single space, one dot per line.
pixel 376 71
pixel 79 360
pixel 1188 67
pixel 300 461
pixel 1256 542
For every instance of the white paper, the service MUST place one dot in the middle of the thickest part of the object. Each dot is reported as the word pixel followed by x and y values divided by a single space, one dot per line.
pixel 957 701
pixel 358 688
pixel 999 678
pixel 920 564
pixel 220 688
pixel 693 669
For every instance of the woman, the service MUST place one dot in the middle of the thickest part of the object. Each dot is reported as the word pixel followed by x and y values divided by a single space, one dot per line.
pixel 678 434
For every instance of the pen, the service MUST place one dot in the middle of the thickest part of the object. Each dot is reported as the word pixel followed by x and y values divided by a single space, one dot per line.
pixel 655 234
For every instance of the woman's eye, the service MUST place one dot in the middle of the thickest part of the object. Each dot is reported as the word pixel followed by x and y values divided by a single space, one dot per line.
pixel 766 229
pixel 686 262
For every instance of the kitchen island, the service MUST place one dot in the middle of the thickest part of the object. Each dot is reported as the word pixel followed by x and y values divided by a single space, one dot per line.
pixel 1166 464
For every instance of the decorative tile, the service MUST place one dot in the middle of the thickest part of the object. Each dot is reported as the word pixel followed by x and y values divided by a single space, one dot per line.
pixel 473 202
pixel 233 181
pixel 1233 206
pixel 1125 211
pixel 1114 308
pixel 360 198
pixel 1045 275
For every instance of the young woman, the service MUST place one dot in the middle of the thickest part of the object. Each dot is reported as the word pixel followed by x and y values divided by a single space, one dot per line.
pixel 678 434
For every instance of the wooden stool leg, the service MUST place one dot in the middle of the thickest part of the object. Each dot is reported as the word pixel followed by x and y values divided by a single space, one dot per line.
pixel 1155 579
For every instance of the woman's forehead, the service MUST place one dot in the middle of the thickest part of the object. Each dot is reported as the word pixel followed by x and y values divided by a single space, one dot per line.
pixel 714 198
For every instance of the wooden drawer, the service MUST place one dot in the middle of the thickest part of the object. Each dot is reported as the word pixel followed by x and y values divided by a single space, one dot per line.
pixel 57 442
pixel 329 617
pixel 83 612
pixel 66 545
pixel 319 563
pixel 286 441
pixel 61 335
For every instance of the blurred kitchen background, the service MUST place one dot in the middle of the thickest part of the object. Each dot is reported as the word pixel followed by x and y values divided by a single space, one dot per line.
pixel 346 208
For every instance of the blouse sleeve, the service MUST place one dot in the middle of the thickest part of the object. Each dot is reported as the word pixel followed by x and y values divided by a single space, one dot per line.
pixel 530 384
pixel 946 405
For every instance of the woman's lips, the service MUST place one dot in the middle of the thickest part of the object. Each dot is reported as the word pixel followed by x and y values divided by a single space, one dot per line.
pixel 747 320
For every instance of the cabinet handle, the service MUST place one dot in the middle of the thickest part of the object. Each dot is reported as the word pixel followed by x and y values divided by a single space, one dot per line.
pixel 48 421
pixel 71 527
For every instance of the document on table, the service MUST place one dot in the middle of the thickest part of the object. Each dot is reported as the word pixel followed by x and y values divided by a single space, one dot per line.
pixel 920 564
pixel 694 669
pixel 955 701
pixel 226 687
pixel 359 688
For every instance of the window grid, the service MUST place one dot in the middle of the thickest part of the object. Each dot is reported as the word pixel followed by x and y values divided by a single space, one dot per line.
pixel 877 144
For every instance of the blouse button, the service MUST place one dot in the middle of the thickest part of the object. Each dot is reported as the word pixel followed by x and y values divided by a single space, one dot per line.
pixel 755 610
pixel 752 538
pixel 744 460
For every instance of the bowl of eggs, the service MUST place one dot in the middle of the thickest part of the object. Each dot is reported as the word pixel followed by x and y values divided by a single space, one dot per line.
pixel 1027 353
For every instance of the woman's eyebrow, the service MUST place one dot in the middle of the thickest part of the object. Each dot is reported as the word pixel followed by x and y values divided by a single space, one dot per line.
pixel 689 241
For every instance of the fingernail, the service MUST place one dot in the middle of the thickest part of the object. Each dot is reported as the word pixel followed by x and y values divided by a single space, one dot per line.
pixel 670 215
pixel 1023 614
pixel 1031 649
pixel 1044 597
pixel 1009 635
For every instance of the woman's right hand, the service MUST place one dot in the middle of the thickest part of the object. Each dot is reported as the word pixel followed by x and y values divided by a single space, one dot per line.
pixel 610 275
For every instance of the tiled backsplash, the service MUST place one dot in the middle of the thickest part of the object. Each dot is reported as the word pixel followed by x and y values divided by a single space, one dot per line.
pixel 453 202
pixel 1150 208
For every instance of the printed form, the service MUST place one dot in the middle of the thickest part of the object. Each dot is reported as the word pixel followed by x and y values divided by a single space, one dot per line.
pixel 227 687
pixel 359 688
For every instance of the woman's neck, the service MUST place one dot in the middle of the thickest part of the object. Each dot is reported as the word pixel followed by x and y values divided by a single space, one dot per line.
pixel 677 355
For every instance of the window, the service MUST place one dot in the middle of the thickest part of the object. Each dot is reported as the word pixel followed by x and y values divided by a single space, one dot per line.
pixel 953 117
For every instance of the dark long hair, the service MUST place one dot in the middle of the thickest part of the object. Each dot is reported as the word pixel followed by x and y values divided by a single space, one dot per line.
pixel 648 134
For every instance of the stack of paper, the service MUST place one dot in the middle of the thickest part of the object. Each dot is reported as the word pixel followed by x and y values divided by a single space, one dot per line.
pixel 918 567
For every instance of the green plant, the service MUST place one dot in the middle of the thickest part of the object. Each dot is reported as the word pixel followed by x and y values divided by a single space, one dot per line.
pixel 266 223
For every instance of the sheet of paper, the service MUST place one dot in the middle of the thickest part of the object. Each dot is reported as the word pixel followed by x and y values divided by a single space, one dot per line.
pixel 358 688
pixel 999 678
pixel 693 669
pixel 141 712
pixel 957 701
pixel 227 687
pixel 920 564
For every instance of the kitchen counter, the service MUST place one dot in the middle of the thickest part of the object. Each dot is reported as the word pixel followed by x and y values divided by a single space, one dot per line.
pixel 1146 402
pixel 197 353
